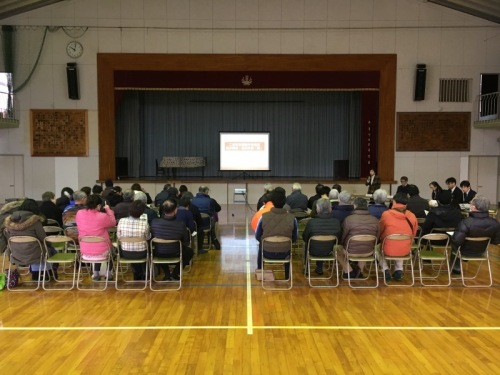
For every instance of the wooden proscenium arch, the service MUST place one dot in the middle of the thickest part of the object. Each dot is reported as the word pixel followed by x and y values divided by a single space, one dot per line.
pixel 109 63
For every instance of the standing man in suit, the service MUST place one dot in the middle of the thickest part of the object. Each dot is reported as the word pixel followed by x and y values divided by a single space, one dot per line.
pixel 469 194
pixel 372 181
pixel 457 195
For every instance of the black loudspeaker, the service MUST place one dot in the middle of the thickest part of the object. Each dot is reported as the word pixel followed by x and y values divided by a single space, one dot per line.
pixel 420 82
pixel 341 169
pixel 121 167
pixel 72 74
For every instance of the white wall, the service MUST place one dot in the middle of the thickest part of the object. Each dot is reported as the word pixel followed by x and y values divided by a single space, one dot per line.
pixel 452 44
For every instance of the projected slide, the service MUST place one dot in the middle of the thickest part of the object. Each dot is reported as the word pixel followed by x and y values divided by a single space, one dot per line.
pixel 242 151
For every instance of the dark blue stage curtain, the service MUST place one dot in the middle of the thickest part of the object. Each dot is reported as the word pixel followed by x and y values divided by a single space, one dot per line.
pixel 309 129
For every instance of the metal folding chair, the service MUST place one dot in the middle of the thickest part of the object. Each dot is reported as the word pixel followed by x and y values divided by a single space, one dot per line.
pixel 15 249
pixel 105 259
pixel 367 258
pixel 428 251
pixel 62 257
pixel 330 258
pixel 121 261
pixel 406 257
pixel 156 260
pixel 286 249
pixel 466 260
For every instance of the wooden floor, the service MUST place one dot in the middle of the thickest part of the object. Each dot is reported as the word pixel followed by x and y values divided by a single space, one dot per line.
pixel 223 322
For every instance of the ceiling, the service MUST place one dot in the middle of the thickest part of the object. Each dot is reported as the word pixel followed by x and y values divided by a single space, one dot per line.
pixel 486 9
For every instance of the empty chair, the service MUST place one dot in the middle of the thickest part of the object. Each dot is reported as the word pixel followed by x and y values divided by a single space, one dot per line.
pixel 61 257
pixel 175 259
pixel 428 254
pixel 207 229
pixel 466 259
pixel 24 250
pixel 52 222
pixel 331 257
pixel 284 258
pixel 123 261
pixel 371 242
pixel 406 241
pixel 93 260
pixel 52 230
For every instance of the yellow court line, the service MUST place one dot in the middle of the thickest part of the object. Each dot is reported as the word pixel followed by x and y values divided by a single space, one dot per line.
pixel 305 328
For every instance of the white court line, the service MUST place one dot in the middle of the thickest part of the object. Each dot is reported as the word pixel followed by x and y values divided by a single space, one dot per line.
pixel 249 283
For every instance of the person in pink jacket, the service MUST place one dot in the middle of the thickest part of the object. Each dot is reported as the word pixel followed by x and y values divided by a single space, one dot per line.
pixel 397 220
pixel 95 220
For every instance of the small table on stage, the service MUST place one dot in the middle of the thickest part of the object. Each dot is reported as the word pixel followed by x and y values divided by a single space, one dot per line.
pixel 175 162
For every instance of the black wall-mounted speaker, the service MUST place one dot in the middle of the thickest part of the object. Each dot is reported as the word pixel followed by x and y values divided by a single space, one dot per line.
pixel 420 82
pixel 72 75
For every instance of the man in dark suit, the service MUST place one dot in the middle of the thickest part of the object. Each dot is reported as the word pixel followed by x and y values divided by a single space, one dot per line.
pixel 457 196
pixel 416 203
pixel 469 194
pixel 403 188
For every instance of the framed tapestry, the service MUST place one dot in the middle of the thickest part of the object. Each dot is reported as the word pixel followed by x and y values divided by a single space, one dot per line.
pixel 59 132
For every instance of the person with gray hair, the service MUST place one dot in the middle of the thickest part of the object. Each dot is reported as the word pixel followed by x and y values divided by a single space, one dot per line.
pixel 344 207
pixel 69 214
pixel 268 187
pixel 334 197
pixel 360 222
pixel 378 208
pixel 477 224
pixel 322 224
pixel 122 208
pixel 207 205
pixel 296 200
pixel 149 212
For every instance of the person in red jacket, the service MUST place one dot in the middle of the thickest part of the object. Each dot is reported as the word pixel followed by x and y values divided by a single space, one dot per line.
pixel 397 220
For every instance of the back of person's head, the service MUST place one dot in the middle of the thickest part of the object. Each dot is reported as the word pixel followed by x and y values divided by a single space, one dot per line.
pixel 323 206
pixel 48 196
pixel 187 195
pixel 108 183
pixel 136 186
pixel 360 203
pixel 166 186
pixel 117 189
pixel 444 197
pixel 344 198
pixel 318 188
pixel 30 205
pixel 182 189
pixel 97 189
pixel 172 192
pixel 268 187
pixel 128 195
pixel 184 201
pixel 79 196
pixel 400 198
pixel 481 203
pixel 94 200
pixel 379 196
pixel 279 189
pixel 296 186
pixel 465 183
pixel 140 196
pixel 66 192
pixel 413 190
pixel 324 190
pixel 278 199
pixel 451 180
pixel 338 187
pixel 203 189
pixel 137 208
pixel 87 190
pixel 169 206
pixel 267 197
pixel 333 194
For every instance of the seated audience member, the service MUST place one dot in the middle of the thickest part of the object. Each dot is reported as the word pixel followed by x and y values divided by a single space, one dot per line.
pixel 324 192
pixel 337 187
pixel 403 188
pixel 188 196
pixel 334 197
pixel 457 195
pixel 469 194
pixel 168 227
pixel 138 187
pixel 6 210
pixel 443 216
pixel 344 207
pixel 378 207
pixel 435 190
pixel 268 187
pixel 209 206
pixel 65 198
pixel 373 182
pixel 360 222
pixel 162 195
pixel 49 209
pixel 115 196
pixel 87 190
pixel 149 212
pixel 95 220
pixel 108 188
pixel 397 220
pixel 477 224
pixel 182 190
pixel 97 189
pixel 172 193
pixel 184 215
pixel 296 200
pixel 315 197
pixel 122 208
pixel 69 214
pixel 276 222
pixel 416 204
pixel 134 226
pixel 322 224
pixel 268 204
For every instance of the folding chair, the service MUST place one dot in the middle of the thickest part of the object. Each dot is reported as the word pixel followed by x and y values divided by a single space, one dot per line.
pixel 156 260
pixel 286 249
pixel 61 257
pixel 52 230
pixel 301 226
pixel 207 229
pixel 428 251
pixel 17 251
pixel 331 258
pixel 106 258
pixel 52 222
pixel 468 259
pixel 407 241
pixel 120 262
pixel 371 242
